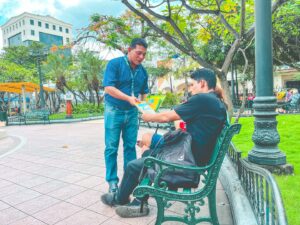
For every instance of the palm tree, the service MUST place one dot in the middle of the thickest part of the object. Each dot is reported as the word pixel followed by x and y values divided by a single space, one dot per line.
pixel 90 69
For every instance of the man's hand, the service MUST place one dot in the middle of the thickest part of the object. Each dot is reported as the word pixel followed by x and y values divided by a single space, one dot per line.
pixel 133 100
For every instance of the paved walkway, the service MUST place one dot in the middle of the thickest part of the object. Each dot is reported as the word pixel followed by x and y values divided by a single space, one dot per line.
pixel 54 174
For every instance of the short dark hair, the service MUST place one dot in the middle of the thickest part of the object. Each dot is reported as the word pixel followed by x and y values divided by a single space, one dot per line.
pixel 138 41
pixel 205 74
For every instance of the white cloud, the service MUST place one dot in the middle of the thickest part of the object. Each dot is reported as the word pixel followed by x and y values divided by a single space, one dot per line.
pixel 98 49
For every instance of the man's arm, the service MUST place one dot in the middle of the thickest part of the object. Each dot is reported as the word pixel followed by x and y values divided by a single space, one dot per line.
pixel 114 92
pixel 162 117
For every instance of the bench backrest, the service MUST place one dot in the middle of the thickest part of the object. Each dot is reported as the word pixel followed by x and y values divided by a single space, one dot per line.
pixel 220 149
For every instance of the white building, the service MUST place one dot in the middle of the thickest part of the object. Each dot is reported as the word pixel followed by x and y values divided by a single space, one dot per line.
pixel 26 28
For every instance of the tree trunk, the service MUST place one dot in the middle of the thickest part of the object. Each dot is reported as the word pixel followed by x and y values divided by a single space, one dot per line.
pixel 91 97
pixel 83 96
pixel 97 96
pixel 58 102
pixel 225 87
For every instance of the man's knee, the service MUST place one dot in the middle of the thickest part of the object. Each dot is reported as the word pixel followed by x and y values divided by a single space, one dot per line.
pixel 135 166
pixel 146 139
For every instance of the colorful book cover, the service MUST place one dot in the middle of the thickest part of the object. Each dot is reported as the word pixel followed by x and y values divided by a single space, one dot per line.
pixel 144 107
pixel 155 101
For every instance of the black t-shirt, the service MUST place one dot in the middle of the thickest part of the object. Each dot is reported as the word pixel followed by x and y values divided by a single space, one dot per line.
pixel 204 115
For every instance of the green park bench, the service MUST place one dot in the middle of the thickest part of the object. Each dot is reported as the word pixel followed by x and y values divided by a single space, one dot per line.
pixel 37 115
pixel 192 198
pixel 17 119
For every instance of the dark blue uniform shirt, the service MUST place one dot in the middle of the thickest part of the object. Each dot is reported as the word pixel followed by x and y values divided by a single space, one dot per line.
pixel 119 74
pixel 205 115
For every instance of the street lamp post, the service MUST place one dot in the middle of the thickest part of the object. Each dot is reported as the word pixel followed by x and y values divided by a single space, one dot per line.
pixel 42 99
pixel 265 136
pixel 39 54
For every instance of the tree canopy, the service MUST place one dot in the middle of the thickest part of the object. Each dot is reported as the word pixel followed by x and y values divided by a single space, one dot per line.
pixel 209 31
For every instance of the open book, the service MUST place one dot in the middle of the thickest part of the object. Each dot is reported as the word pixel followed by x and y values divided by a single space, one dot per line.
pixel 144 107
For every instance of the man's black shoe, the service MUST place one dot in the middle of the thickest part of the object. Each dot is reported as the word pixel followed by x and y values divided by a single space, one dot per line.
pixel 109 199
pixel 133 209
pixel 113 188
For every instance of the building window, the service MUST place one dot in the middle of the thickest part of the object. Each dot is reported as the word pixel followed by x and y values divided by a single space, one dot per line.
pixel 23 22
pixel 50 39
pixel 31 22
pixel 16 25
pixel 23 32
pixel 54 27
pixel 47 25
pixel 3 31
pixel 68 40
pixel 32 32
pixel 60 29
pixel 39 23
pixel 67 30
pixel 19 23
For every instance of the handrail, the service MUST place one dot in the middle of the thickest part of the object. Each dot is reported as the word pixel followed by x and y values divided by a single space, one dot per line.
pixel 263 193
pixel 235 157
pixel 261 189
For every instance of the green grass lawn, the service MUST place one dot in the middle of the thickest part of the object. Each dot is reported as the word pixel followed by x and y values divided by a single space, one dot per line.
pixel 62 116
pixel 289 131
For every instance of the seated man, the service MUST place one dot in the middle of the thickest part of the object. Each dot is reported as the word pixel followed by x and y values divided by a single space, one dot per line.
pixel 204 114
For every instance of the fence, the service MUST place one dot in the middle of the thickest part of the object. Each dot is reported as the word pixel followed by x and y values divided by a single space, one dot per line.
pixel 261 189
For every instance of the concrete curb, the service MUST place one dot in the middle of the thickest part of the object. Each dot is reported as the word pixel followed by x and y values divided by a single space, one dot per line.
pixel 242 212
pixel 77 120
pixel 59 121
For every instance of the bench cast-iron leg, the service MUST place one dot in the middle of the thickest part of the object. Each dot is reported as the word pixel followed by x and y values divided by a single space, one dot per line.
pixel 212 206
pixel 160 210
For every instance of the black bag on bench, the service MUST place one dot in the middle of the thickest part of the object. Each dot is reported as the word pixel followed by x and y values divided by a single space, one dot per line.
pixel 176 149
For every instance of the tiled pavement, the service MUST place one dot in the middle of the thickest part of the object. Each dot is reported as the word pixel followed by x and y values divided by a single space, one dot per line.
pixel 54 174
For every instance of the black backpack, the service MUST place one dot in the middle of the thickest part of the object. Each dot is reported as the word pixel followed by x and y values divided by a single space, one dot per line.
pixel 176 149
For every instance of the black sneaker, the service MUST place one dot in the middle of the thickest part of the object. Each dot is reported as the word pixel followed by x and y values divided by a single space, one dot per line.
pixel 110 199
pixel 133 209
pixel 113 188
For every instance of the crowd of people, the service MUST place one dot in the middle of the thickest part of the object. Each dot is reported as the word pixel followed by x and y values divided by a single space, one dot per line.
pixel 289 100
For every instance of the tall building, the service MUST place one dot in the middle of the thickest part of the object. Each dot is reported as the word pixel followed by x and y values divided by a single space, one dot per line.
pixel 27 27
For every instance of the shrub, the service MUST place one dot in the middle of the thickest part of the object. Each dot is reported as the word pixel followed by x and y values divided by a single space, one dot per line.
pixel 171 99
pixel 88 108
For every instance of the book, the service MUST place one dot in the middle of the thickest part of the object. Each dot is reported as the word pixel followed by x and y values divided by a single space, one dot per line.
pixel 144 107
pixel 155 101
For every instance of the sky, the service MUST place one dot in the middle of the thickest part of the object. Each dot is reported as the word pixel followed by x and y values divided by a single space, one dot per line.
pixel 75 12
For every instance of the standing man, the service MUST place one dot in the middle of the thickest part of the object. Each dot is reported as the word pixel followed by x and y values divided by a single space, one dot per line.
pixel 124 80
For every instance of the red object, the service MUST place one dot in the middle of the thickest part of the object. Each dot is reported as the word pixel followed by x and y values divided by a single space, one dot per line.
pixel 69 108
pixel 182 125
